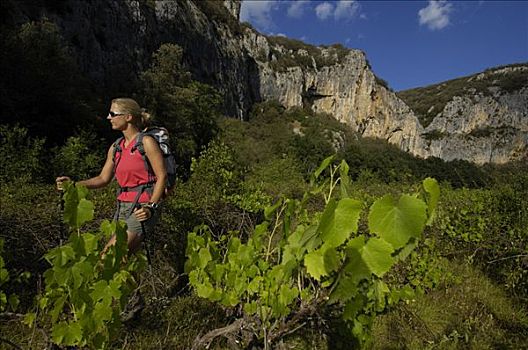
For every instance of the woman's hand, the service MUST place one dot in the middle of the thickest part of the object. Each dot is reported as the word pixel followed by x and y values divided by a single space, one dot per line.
pixel 60 181
pixel 143 213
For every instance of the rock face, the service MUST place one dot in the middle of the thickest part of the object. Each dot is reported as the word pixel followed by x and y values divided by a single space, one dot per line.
pixel 486 124
pixel 114 41
pixel 344 87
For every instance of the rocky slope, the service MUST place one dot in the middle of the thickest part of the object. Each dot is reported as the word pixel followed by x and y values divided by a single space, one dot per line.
pixel 114 40
pixel 482 118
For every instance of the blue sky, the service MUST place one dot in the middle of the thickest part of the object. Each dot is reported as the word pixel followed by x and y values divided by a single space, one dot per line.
pixel 408 43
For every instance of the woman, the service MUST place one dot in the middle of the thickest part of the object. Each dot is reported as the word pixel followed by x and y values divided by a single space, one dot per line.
pixel 141 187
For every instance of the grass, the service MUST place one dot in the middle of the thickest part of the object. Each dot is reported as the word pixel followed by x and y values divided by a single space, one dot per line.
pixel 472 313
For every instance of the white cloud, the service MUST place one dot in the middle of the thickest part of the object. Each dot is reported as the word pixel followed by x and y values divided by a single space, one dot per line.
pixel 435 15
pixel 343 10
pixel 258 12
pixel 346 9
pixel 296 9
pixel 324 10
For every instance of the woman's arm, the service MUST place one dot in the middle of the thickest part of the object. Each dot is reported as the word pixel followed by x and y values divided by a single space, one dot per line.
pixel 101 180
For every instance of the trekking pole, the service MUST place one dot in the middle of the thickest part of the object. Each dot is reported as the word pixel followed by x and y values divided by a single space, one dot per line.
pixel 149 258
pixel 147 247
pixel 60 207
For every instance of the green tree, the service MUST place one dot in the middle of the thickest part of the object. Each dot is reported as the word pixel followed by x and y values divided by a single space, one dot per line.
pixel 188 109
pixel 42 87
pixel 22 155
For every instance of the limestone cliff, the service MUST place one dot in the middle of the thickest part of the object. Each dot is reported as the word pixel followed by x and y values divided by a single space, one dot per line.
pixel 336 81
pixel 481 118
pixel 114 40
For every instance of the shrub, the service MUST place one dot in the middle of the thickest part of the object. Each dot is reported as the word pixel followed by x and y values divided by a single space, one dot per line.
pixel 81 157
pixel 296 53
pixel 187 108
pixel 22 155
pixel 43 88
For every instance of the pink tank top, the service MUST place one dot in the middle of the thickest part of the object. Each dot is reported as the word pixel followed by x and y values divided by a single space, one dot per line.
pixel 131 172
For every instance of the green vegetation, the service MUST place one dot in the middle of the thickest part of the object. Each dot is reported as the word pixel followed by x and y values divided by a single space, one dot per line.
pixel 245 170
pixel 216 11
pixel 188 109
pixel 42 86
pixel 296 263
pixel 428 101
pixel 85 294
pixel 295 53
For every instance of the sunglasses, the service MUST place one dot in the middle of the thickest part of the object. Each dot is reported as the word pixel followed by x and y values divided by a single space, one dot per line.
pixel 114 114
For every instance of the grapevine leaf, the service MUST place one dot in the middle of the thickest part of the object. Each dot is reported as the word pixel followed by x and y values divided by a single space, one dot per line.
pixel 344 179
pixel 406 250
pixel 108 228
pixel 310 240
pixel 345 289
pixel 356 267
pixel 57 308
pixel 4 276
pixel 13 302
pixel 342 223
pixel 218 272
pixel 268 211
pixel 90 242
pixel 61 275
pixel 58 332
pixel 29 319
pixel 113 288
pixel 258 234
pixel 77 276
pixel 103 311
pixel 327 219
pixel 245 255
pixel 65 254
pixel 3 300
pixel 331 260
pixel 431 186
pixel 377 256
pixel 231 299
pixel 77 209
pixel 85 211
pixel 397 222
pixel 324 164
pixel 250 308
pixel 73 334
pixel 352 307
pixel 234 245
pixel 287 294
pixel 204 257
pixel 99 290
pixel 315 264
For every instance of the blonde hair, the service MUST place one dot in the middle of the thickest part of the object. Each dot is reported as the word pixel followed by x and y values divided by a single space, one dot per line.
pixel 141 118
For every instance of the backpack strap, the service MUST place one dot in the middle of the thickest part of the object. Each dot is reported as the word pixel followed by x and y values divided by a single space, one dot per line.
pixel 139 146
pixel 117 148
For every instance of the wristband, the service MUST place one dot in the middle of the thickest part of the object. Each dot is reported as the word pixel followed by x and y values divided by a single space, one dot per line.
pixel 152 206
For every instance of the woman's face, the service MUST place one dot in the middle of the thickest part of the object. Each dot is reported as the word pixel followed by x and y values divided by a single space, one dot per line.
pixel 117 118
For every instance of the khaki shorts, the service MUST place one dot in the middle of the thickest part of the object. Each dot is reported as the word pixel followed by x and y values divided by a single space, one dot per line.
pixel 133 225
